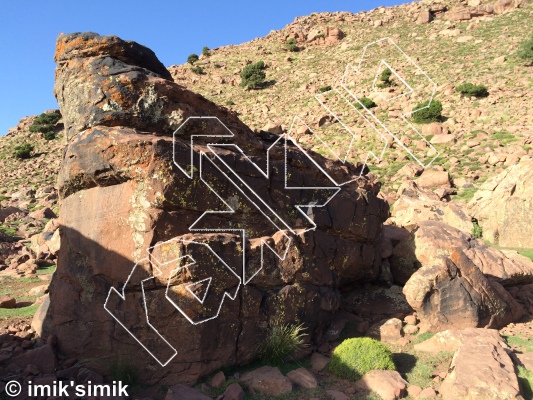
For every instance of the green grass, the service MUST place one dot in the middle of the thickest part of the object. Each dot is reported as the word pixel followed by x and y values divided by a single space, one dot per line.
pixel 18 312
pixel 281 341
pixel 504 137
pixel 8 230
pixel 525 379
pixel 465 194
pixel 46 270
pixel 526 253
pixel 522 344
pixel 423 337
pixel 417 367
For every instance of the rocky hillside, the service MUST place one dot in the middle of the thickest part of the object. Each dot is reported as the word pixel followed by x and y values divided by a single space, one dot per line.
pixel 452 42
pixel 109 191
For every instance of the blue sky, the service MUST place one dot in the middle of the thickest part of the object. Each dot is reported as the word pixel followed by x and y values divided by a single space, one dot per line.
pixel 172 29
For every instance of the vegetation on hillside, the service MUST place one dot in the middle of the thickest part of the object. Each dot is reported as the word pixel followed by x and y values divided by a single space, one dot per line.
pixel 253 76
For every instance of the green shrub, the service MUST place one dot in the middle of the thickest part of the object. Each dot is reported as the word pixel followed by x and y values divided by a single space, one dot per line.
pixel 469 89
pixel 50 135
pixel 281 341
pixel 45 122
pixel 477 231
pixel 426 114
pixel 205 51
pixel 526 49
pixel 368 103
pixel 356 356
pixel 292 45
pixel 197 70
pixel 324 89
pixel 23 151
pixel 230 103
pixel 192 58
pixel 47 119
pixel 253 76
pixel 385 78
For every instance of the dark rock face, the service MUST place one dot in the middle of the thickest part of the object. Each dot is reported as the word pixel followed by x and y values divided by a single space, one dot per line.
pixel 208 296
pixel 452 292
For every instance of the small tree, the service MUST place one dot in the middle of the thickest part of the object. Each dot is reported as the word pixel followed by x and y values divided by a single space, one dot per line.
pixel 23 151
pixel 205 51
pixel 469 89
pixel 49 135
pixel 426 114
pixel 292 45
pixel 368 103
pixel 253 76
pixel 45 122
pixel 526 49
pixel 192 58
pixel 385 78
pixel 197 70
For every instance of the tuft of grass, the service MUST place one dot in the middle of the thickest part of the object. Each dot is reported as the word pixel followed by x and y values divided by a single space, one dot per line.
pixel 417 367
pixel 123 372
pixel 525 379
pixel 465 194
pixel 525 51
pixel 477 231
pixel 423 337
pixel 21 312
pixel 526 253
pixel 46 270
pixel 281 341
pixel 504 137
pixel 324 89
pixel 355 357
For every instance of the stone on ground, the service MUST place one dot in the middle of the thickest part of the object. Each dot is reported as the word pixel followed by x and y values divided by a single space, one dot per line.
pixel 389 385
pixel 267 380
pixel 303 378
pixel 481 370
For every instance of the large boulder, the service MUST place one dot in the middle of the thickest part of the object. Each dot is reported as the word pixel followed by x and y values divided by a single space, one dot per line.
pixel 503 206
pixel 501 6
pixel 416 204
pixel 452 292
pixel 481 369
pixel 267 380
pixel 195 298
pixel 429 241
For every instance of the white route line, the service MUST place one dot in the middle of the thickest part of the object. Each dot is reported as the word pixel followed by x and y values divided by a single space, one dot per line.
pixel 122 295
pixel 193 261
